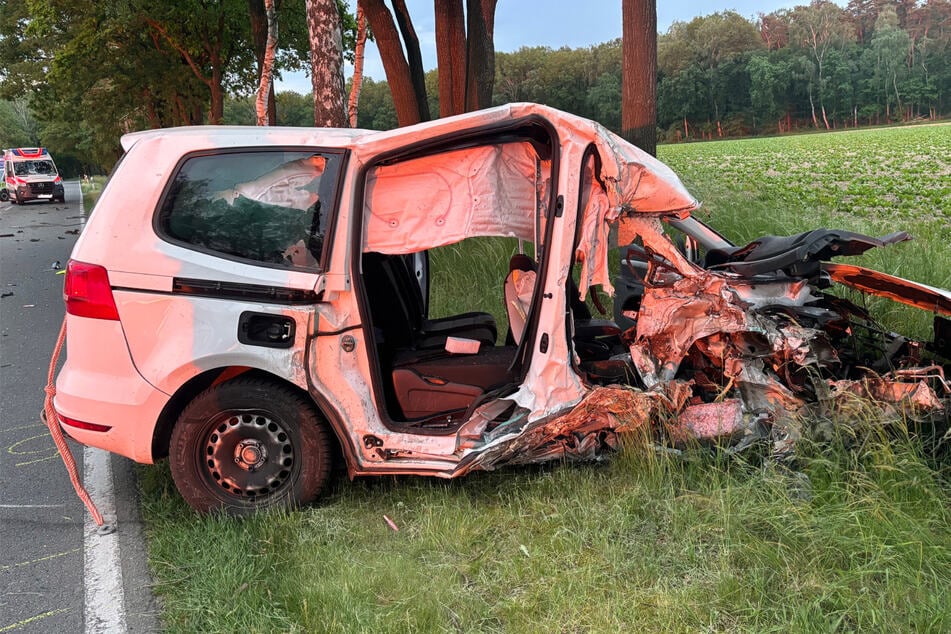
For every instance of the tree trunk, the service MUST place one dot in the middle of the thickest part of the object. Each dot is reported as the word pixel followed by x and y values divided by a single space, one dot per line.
pixel 812 106
pixel 480 53
pixel 895 84
pixel 154 120
pixel 451 56
pixel 413 57
pixel 394 63
pixel 217 93
pixel 639 73
pixel 326 63
pixel 353 102
pixel 825 119
pixel 259 36
pixel 267 65
pixel 258 15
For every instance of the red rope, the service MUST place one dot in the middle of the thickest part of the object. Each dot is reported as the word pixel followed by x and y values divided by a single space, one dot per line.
pixel 52 422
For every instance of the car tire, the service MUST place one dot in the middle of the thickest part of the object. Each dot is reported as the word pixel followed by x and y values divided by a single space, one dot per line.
pixel 248 445
pixel 4 196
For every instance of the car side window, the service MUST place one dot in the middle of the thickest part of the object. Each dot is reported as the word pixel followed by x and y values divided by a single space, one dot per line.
pixel 269 207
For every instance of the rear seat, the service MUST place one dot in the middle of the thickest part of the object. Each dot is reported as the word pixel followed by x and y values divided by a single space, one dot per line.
pixel 430 383
pixel 426 381
pixel 397 309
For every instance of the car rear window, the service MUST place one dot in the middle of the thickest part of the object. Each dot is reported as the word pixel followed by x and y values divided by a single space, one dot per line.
pixel 268 207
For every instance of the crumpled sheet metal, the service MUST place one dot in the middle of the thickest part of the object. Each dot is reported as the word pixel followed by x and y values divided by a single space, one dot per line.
pixel 762 407
pixel 594 244
pixel 897 289
pixel 889 391
pixel 708 420
pixel 605 415
pixel 581 434
pixel 671 319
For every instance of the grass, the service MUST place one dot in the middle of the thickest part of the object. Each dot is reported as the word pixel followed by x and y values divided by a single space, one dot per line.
pixel 646 541
pixel 91 191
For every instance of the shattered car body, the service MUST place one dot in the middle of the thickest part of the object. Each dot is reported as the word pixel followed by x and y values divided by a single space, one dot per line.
pixel 293 263
pixel 758 342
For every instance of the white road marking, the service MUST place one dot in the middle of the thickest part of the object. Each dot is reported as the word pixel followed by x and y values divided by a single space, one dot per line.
pixel 104 598
pixel 102 567
pixel 82 208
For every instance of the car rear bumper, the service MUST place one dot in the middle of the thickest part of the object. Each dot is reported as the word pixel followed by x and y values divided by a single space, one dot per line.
pixel 99 385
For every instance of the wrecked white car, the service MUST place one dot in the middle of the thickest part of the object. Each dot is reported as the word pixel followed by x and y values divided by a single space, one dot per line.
pixel 253 303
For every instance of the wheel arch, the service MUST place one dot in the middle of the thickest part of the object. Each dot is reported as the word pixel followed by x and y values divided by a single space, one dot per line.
pixel 162 433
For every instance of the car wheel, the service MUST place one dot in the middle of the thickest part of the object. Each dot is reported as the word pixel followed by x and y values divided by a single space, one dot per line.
pixel 248 445
pixel 4 196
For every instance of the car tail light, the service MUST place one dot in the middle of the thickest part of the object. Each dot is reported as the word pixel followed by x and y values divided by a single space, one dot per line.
pixel 87 291
pixel 57 180
pixel 82 425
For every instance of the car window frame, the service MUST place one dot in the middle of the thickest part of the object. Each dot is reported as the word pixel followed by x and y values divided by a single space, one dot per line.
pixel 330 214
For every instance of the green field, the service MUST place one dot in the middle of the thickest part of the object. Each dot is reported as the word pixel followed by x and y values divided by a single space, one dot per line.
pixel 871 181
pixel 647 541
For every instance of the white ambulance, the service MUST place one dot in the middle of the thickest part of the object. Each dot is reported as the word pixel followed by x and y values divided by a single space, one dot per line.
pixel 30 174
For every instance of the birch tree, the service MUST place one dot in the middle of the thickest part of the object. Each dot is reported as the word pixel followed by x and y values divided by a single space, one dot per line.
pixel 817 28
pixel 267 67
pixel 353 102
pixel 326 63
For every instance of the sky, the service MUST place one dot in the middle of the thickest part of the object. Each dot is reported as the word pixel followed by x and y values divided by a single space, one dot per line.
pixel 552 23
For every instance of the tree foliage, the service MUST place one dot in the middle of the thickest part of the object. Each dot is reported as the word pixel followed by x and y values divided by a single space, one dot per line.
pixel 95 70
pixel 90 71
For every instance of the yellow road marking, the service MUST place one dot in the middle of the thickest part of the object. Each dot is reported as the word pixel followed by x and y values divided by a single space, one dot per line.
pixel 39 424
pixel 40 560
pixel 38 617
pixel 14 450
pixel 23 464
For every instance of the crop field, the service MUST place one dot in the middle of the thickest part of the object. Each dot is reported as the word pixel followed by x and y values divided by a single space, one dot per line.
pixel 856 538
pixel 885 175
pixel 870 181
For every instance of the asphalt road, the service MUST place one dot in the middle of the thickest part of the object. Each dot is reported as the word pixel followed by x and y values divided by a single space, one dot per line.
pixel 42 536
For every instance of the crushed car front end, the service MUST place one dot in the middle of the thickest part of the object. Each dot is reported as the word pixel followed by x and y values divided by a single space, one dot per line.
pixel 719 343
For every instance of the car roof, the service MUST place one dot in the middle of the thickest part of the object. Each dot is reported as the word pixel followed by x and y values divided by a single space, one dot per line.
pixel 635 180
pixel 228 135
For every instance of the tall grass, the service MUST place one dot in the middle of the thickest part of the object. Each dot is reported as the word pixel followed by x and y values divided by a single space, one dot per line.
pixel 645 542
pixel 855 536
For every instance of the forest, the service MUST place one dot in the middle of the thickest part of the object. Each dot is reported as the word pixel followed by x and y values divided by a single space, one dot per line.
pixel 76 75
